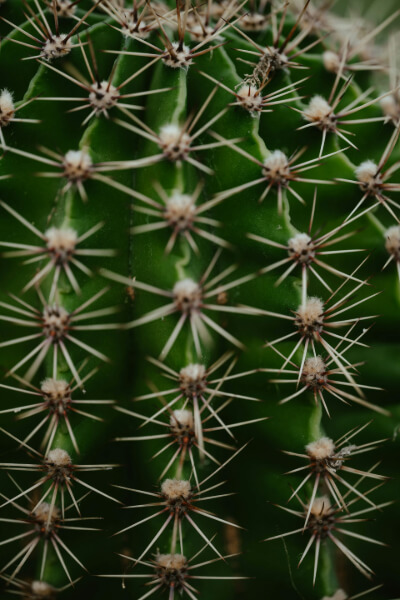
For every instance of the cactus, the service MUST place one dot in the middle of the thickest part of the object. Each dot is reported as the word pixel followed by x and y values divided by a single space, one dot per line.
pixel 200 254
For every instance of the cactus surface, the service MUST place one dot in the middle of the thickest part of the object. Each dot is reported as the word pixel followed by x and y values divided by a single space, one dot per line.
pixel 200 262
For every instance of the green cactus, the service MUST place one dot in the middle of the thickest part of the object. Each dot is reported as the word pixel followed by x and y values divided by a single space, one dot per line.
pixel 198 200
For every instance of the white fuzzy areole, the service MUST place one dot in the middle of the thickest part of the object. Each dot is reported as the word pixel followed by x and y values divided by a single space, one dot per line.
pixel 193 373
pixel 278 59
pixel 321 506
pixel 186 287
pixel 187 294
pixel 250 97
pixel 321 449
pixel 276 166
pixel 59 457
pixel 55 387
pixel 192 380
pixel 6 103
pixel 392 241
pixel 175 489
pixel 314 373
pixel 300 242
pixel 318 109
pixel 61 239
pixel 181 57
pixel 390 106
pixel 311 311
pixel 314 367
pixel 174 141
pixel 66 8
pixel 171 561
pixel 331 61
pixel 7 108
pixel 42 512
pixel 172 134
pixel 130 28
pixel 180 210
pixel 253 21
pixel 103 96
pixel 183 418
pixel 78 159
pixel 42 589
pixel 366 172
pixel 301 248
pixel 199 32
pixel 55 322
pixel 56 47
pixel 217 9
pixel 77 165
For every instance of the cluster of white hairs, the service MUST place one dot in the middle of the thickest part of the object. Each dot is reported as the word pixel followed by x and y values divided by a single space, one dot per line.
pixel 187 415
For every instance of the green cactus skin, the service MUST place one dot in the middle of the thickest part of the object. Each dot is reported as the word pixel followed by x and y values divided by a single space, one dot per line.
pixel 256 473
